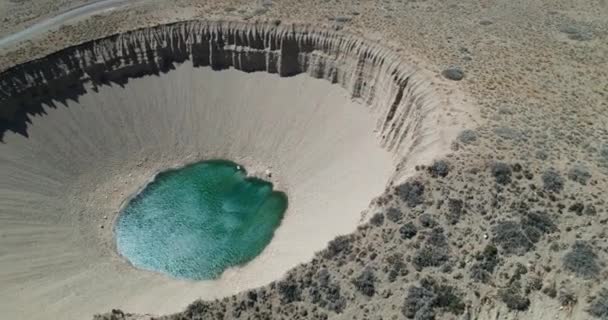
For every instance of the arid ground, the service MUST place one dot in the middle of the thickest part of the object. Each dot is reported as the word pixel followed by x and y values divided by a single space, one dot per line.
pixel 473 187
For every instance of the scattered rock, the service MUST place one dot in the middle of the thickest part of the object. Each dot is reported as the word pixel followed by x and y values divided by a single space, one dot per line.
pixel 341 245
pixel 453 73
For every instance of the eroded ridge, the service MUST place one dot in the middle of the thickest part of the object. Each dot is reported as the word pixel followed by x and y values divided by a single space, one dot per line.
pixel 368 71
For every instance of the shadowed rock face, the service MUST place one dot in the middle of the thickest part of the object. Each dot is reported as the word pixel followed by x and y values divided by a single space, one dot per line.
pixel 367 71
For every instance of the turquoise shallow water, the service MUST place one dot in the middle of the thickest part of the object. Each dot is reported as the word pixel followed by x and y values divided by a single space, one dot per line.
pixel 195 222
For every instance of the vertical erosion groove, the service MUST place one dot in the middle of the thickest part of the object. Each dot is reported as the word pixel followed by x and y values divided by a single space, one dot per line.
pixel 368 71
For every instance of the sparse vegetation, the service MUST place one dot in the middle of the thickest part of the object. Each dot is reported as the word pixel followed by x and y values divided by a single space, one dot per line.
pixel 394 215
pixel 427 221
pixel 365 282
pixel 599 306
pixel 509 236
pixel 579 174
pixel 408 231
pixel 467 136
pixel 289 291
pixel 552 181
pixel 326 293
pixel 434 253
pixel 377 220
pixel 582 260
pixel 396 266
pixel 431 298
pixel 501 172
pixel 485 263
pixel 513 297
pixel 341 245
pixel 455 207
pixel 411 192
pixel 439 168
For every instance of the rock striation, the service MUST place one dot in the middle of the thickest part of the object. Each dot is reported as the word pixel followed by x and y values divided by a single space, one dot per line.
pixel 392 88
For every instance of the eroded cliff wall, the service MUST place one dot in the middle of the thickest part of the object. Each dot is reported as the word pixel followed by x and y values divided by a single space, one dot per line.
pixel 368 71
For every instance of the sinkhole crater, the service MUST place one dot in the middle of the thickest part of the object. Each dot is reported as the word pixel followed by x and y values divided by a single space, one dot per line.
pixel 197 221
pixel 337 117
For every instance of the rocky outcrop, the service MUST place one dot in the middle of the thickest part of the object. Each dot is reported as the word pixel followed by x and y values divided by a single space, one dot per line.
pixel 368 71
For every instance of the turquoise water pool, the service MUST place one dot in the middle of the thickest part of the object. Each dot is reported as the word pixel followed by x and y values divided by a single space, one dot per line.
pixel 194 222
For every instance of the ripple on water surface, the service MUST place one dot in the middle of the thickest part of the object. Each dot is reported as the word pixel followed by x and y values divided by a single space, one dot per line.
pixel 195 222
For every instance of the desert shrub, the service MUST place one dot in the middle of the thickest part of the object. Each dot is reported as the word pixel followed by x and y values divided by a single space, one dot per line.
pixel 535 284
pixel 536 224
pixel 199 309
pixel 508 133
pixel 434 253
pixel 116 314
pixel 439 168
pixel 501 172
pixel 579 174
pixel 485 264
pixel 394 214
pixel 550 290
pixel 552 181
pixel 454 210
pixel 408 231
pixel 540 221
pixel 365 282
pixel 289 291
pixel 599 306
pixel 513 298
pixel 567 298
pixel 467 136
pixel 411 192
pixel 509 236
pixel 377 220
pixel 396 266
pixel 327 294
pixel 341 245
pixel 430 298
pixel 577 208
pixel 427 221
pixel 581 260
